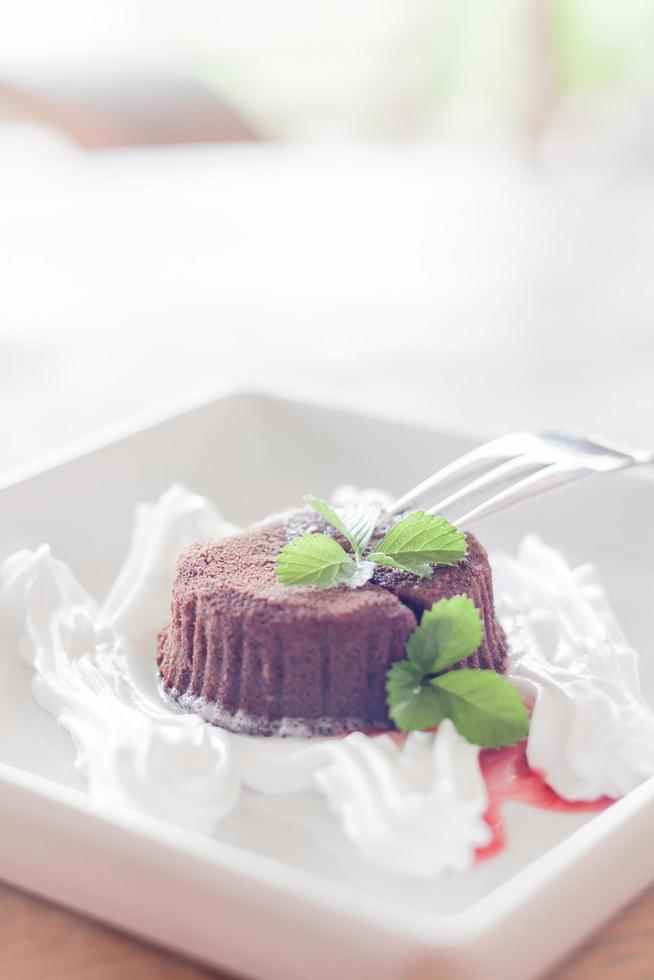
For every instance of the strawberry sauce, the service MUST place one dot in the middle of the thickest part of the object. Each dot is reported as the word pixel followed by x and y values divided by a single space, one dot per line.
pixel 509 779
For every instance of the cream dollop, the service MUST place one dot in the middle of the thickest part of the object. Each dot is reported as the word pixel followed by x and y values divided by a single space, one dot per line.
pixel 411 805
pixel 415 808
pixel 133 749
pixel 591 731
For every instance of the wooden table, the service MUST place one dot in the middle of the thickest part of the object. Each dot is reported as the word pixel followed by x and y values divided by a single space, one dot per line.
pixel 39 941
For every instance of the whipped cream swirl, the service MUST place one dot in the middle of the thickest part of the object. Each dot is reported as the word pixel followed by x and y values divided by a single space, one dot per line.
pixel 134 751
pixel 411 805
pixel 591 731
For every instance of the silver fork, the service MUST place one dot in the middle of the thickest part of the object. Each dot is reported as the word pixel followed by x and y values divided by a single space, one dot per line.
pixel 513 468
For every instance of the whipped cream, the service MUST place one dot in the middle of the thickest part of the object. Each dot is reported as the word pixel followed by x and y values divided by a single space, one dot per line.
pixel 591 731
pixel 411 805
pixel 134 751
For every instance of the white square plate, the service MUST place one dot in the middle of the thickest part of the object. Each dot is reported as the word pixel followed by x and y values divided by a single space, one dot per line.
pixel 281 895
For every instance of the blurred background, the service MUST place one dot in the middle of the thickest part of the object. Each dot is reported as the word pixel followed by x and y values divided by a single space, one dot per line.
pixel 438 209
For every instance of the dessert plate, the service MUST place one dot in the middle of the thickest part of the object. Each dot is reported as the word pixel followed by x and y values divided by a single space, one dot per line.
pixel 282 895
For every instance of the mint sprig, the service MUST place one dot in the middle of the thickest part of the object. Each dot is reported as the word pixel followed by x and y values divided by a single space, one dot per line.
pixel 414 544
pixel 484 707
pixel 419 541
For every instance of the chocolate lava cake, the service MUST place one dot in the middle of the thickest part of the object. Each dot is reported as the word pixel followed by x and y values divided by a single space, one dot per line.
pixel 258 657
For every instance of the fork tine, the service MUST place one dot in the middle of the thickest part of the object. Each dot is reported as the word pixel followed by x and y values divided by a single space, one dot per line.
pixel 556 458
pixel 553 475
pixel 471 464
pixel 511 470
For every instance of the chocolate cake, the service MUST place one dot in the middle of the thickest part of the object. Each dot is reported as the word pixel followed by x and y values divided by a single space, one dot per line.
pixel 254 656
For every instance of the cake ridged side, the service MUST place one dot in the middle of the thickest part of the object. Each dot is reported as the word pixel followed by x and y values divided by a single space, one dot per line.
pixel 340 684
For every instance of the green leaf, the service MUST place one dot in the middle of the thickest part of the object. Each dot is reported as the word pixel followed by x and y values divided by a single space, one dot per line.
pixel 412 704
pixel 356 523
pixel 448 632
pixel 418 541
pixel 485 708
pixel 314 559
pixel 361 520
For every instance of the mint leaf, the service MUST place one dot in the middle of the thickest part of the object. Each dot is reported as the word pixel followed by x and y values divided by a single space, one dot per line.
pixel 314 559
pixel 328 513
pixel 361 520
pixel 418 541
pixel 412 704
pixel 485 708
pixel 356 523
pixel 448 632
